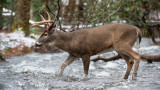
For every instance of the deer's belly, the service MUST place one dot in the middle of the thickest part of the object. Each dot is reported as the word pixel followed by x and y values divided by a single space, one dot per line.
pixel 106 50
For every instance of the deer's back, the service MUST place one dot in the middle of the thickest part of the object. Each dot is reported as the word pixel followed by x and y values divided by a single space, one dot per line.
pixel 100 39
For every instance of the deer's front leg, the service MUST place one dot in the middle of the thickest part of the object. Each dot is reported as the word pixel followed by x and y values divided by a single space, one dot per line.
pixel 69 60
pixel 86 62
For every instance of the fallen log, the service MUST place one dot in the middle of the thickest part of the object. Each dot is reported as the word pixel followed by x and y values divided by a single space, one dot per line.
pixel 150 58
pixel 106 59
pixel 145 57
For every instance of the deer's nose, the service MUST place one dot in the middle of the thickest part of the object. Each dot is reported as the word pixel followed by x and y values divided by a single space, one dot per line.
pixel 38 44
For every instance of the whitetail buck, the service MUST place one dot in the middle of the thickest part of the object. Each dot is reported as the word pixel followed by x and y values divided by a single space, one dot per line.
pixel 87 42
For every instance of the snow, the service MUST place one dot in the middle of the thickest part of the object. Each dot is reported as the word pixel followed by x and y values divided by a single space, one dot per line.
pixel 7 12
pixel 150 50
pixel 11 40
pixel 65 2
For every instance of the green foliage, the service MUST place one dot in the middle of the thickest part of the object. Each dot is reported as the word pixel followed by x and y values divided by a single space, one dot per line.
pixel 133 11
pixel 38 6
pixel 35 30
pixel 96 11
pixel 6 3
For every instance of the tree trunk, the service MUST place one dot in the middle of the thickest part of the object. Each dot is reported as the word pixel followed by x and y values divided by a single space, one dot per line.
pixel 71 8
pixel 21 19
pixel 1 17
pixel 11 16
pixel 46 8
pixel 80 8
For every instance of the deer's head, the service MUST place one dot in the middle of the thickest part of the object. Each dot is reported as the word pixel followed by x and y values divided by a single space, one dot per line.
pixel 48 35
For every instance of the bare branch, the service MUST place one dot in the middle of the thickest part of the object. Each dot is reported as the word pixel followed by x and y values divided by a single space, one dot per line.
pixel 146 57
pixel 106 59
pixel 49 17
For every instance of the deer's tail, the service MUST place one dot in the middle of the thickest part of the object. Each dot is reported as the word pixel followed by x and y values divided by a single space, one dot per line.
pixel 139 36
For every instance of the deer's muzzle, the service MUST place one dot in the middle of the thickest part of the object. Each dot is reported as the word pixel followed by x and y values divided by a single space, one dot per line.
pixel 38 44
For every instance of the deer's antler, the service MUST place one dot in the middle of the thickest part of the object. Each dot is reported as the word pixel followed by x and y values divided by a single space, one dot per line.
pixel 44 21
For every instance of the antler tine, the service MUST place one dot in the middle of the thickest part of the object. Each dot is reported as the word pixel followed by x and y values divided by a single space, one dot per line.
pixel 40 23
pixel 49 17
pixel 42 18
pixel 51 25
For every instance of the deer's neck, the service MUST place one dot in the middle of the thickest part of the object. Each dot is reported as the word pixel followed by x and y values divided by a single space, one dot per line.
pixel 63 40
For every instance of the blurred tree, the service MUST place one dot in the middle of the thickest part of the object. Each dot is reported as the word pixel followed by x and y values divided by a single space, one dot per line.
pixel 6 14
pixel 80 9
pixel 46 7
pixel 71 9
pixel 3 4
pixel 1 16
pixel 137 11
pixel 22 16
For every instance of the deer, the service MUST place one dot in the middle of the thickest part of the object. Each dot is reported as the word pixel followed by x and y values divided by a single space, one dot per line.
pixel 84 43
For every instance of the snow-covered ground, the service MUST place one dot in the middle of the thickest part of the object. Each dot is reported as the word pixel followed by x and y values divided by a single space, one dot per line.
pixel 11 40
pixel 36 71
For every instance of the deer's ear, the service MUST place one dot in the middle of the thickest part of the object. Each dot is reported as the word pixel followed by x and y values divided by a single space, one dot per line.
pixel 56 25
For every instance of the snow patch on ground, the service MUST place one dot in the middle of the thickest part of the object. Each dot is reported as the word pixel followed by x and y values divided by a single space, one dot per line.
pixel 110 65
pixel 150 50
pixel 11 40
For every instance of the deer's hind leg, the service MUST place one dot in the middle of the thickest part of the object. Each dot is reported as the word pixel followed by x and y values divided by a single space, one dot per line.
pixel 129 62
pixel 69 60
pixel 133 55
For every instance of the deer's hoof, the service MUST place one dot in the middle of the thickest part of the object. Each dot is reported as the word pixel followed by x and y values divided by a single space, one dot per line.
pixel 134 78
pixel 125 78
pixel 60 74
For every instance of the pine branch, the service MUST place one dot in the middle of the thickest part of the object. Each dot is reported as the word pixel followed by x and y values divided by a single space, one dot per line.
pixel 114 11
